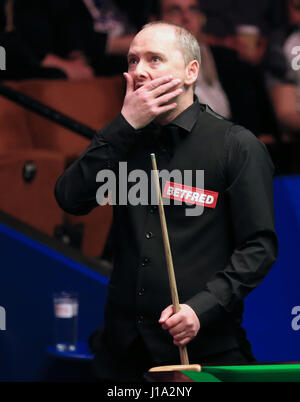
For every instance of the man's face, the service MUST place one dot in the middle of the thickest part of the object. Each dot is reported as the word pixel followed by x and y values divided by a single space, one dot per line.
pixel 182 12
pixel 153 53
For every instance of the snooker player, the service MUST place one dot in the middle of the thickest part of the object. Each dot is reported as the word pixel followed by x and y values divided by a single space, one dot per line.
pixel 219 255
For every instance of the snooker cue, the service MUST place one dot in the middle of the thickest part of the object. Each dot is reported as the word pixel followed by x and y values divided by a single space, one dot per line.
pixel 172 280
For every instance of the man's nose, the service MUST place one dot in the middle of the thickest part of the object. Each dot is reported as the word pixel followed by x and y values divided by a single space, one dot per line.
pixel 140 70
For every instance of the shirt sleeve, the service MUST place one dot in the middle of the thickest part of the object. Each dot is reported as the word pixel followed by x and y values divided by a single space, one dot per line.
pixel 250 196
pixel 76 188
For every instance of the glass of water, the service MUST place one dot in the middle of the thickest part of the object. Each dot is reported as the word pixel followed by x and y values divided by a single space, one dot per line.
pixel 66 320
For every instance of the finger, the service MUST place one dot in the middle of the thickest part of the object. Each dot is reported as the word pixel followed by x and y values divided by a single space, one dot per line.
pixel 167 108
pixel 158 81
pixel 177 329
pixel 172 321
pixel 165 87
pixel 129 83
pixel 166 313
pixel 183 342
pixel 181 336
pixel 167 97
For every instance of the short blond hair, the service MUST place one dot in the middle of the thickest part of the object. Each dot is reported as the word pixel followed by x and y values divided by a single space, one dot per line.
pixel 187 43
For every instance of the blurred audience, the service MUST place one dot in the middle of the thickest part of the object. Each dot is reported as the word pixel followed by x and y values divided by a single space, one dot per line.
pixel 238 31
pixel 187 14
pixel 78 39
pixel 242 25
pixel 21 61
pixel 283 71
pixel 74 39
pixel 224 71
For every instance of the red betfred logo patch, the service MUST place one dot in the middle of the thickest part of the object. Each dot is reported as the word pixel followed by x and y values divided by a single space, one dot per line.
pixel 190 195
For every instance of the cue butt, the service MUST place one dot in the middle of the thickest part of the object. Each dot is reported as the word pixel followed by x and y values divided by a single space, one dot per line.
pixel 179 367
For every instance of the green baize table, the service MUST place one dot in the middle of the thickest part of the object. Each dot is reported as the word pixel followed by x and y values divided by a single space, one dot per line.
pixel 265 372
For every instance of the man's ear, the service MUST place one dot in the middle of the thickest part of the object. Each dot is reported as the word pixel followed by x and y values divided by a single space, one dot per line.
pixel 191 72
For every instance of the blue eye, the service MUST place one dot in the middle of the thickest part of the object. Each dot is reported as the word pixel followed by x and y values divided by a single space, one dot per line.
pixel 155 59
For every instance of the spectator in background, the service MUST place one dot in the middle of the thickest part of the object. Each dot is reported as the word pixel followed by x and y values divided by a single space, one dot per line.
pixel 241 80
pixel 187 14
pixel 237 32
pixel 242 25
pixel 78 39
pixel 21 59
pixel 283 72
pixel 112 23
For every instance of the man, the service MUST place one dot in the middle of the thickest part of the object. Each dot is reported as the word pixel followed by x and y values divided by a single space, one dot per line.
pixel 187 13
pixel 219 255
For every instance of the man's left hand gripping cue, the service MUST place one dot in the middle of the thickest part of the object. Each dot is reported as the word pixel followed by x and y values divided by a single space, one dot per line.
pixel 183 326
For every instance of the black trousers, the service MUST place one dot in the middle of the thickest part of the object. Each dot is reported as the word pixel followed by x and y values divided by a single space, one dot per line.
pixel 110 368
